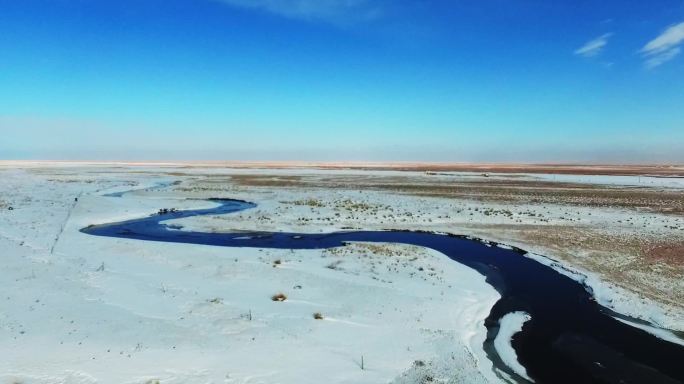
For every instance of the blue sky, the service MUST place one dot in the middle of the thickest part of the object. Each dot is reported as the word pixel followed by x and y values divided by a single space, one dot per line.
pixel 412 80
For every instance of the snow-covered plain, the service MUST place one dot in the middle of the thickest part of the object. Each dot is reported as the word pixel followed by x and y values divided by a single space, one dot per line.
pixel 82 309
pixel 323 210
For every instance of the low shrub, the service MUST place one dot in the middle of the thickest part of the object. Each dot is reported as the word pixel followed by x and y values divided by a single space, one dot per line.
pixel 279 297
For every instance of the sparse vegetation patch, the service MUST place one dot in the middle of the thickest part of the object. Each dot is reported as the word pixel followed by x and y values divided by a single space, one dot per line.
pixel 279 297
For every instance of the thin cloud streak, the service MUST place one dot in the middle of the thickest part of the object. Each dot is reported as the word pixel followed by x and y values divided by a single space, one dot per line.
pixel 593 47
pixel 330 11
pixel 664 47
pixel 662 58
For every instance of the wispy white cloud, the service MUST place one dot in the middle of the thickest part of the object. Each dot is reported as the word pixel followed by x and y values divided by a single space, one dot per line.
pixel 593 47
pixel 332 11
pixel 665 47
pixel 661 58
pixel 671 37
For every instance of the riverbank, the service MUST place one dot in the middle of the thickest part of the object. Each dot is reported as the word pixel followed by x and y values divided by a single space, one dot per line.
pixel 299 201
pixel 623 233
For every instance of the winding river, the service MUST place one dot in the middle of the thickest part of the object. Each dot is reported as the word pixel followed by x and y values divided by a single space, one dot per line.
pixel 569 339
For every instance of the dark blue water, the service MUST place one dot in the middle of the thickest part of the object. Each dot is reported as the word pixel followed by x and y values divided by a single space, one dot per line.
pixel 570 338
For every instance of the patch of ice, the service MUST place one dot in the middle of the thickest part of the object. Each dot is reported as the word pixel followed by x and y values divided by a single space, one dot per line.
pixel 663 334
pixel 509 325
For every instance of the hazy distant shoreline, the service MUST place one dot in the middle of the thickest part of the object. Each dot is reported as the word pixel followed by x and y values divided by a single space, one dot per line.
pixel 662 170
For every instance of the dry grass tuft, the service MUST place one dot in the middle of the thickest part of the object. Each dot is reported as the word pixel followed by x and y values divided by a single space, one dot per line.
pixel 279 297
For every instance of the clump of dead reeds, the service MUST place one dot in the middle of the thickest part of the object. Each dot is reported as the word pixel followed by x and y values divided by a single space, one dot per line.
pixel 279 297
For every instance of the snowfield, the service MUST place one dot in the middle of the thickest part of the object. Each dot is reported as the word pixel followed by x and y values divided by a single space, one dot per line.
pixel 79 309
pixel 84 309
